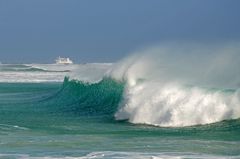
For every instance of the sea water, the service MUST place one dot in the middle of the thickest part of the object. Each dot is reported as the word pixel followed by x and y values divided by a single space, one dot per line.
pixel 120 110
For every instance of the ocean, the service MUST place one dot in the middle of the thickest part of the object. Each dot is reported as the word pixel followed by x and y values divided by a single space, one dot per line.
pixel 100 110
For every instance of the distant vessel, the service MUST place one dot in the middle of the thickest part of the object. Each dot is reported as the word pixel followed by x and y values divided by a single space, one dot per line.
pixel 61 60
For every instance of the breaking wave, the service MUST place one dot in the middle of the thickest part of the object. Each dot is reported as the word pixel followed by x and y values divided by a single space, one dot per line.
pixel 178 85
pixel 170 86
pixel 146 102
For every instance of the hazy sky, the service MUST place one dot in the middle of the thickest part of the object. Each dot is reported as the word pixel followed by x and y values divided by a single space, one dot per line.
pixel 107 30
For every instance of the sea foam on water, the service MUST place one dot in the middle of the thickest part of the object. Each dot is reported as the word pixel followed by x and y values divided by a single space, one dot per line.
pixel 180 85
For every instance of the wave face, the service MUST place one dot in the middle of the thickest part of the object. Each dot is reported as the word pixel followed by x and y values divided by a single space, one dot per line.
pixel 177 86
pixel 91 99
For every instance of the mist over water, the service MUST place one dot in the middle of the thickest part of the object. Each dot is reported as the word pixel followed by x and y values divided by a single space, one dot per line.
pixel 196 64
pixel 180 85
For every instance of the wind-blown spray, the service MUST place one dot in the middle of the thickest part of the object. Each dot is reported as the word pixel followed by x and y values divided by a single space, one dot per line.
pixel 178 85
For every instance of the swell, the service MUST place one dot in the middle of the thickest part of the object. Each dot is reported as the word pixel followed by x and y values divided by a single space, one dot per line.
pixel 26 68
pixel 88 99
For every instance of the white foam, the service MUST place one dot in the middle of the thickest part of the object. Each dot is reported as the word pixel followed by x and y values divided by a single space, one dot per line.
pixel 55 73
pixel 126 155
pixel 173 105
pixel 180 86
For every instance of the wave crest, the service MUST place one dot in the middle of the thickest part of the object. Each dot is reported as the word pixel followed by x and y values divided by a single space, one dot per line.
pixel 180 85
pixel 176 106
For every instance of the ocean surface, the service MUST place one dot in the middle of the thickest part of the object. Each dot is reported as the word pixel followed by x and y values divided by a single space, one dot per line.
pixel 100 110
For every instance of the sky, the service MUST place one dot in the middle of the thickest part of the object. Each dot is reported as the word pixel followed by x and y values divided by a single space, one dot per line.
pixel 38 31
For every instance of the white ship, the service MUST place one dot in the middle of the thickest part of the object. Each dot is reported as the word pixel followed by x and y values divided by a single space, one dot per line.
pixel 61 60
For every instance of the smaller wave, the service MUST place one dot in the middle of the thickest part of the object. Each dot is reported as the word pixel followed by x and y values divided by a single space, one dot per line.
pixel 43 70
pixel 7 127
pixel 127 155
pixel 27 68
pixel 36 73
pixel 13 67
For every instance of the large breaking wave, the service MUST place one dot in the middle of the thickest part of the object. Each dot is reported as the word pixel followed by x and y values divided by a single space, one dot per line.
pixel 147 102
pixel 178 85
pixel 172 86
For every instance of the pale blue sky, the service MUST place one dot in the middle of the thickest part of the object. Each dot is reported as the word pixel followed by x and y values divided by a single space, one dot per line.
pixel 107 30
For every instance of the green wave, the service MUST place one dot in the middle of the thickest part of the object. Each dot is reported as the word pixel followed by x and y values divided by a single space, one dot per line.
pixel 89 99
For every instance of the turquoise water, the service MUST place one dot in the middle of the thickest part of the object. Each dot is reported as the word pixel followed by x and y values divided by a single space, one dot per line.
pixel 76 119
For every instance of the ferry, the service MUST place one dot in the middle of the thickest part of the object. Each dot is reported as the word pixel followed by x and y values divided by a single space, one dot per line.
pixel 62 60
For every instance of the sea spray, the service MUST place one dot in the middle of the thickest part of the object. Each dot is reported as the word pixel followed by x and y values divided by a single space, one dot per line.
pixel 174 105
pixel 180 85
